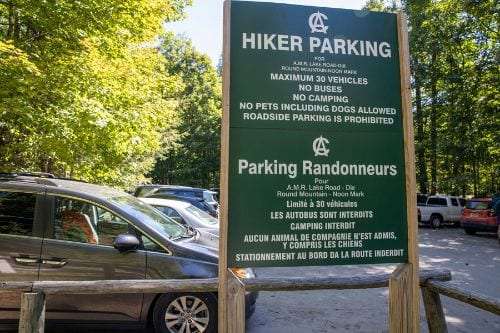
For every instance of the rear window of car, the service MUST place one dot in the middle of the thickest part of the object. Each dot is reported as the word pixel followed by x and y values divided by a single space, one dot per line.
pixel 421 198
pixel 478 205
pixel 180 193
pixel 437 201
pixel 17 213
pixel 192 194
pixel 145 192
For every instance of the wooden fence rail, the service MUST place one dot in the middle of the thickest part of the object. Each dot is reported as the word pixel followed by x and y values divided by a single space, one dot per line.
pixel 32 314
pixel 332 282
pixel 196 285
pixel 432 302
pixel 473 298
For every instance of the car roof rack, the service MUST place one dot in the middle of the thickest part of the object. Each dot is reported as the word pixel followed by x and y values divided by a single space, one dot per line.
pixel 167 186
pixel 42 178
pixel 72 179
pixel 28 177
pixel 37 174
pixel 26 174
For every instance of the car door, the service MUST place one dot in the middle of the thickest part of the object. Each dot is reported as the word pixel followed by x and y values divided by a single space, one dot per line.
pixel 163 264
pixel 462 203
pixel 455 209
pixel 20 243
pixel 78 246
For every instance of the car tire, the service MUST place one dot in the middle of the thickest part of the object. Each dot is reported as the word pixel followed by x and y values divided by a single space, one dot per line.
pixel 436 221
pixel 470 231
pixel 172 312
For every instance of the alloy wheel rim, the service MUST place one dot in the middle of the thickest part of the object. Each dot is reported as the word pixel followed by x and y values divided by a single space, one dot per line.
pixel 187 314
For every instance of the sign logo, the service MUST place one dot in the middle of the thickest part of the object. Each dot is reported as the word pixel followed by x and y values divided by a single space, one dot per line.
pixel 319 146
pixel 316 22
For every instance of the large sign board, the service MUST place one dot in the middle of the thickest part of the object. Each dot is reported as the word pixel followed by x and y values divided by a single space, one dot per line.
pixel 316 160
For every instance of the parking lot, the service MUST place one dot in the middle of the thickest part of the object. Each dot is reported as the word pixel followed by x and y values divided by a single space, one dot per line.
pixel 473 260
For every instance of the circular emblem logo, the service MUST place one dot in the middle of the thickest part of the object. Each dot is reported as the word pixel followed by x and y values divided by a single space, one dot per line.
pixel 319 146
pixel 316 22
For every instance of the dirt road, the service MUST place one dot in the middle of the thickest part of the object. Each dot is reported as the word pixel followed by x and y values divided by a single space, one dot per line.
pixel 473 260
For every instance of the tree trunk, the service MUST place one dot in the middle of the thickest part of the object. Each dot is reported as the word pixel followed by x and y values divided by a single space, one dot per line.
pixel 433 126
pixel 421 163
pixel 464 184
pixel 17 26
pixel 11 21
pixel 474 188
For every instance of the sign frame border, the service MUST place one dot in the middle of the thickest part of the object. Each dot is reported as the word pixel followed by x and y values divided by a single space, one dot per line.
pixel 410 310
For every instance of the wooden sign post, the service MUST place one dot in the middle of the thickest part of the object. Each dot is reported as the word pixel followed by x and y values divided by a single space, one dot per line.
pixel 224 172
pixel 404 293
pixel 317 160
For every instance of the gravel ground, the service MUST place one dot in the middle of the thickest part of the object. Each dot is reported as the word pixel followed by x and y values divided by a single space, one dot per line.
pixel 473 260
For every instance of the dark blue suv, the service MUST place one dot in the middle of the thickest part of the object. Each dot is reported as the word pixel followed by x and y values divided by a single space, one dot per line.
pixel 198 197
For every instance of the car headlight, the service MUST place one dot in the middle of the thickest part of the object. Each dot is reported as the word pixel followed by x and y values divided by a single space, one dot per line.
pixel 243 273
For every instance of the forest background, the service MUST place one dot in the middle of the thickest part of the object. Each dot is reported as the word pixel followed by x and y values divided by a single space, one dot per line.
pixel 98 90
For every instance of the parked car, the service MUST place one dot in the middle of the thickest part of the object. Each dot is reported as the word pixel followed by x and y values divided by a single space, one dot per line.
pixel 201 198
pixel 479 215
pixel 54 229
pixel 185 213
pixel 439 209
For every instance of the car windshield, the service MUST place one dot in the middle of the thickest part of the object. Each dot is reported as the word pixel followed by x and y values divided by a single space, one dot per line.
pixel 478 205
pixel 202 215
pixel 150 216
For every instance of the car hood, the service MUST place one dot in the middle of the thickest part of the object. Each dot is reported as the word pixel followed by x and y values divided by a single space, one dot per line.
pixel 204 241
pixel 211 231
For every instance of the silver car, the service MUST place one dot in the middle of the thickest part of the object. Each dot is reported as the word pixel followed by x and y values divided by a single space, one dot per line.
pixel 185 213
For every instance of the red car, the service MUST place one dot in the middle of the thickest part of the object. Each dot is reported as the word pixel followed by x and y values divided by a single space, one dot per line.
pixel 478 215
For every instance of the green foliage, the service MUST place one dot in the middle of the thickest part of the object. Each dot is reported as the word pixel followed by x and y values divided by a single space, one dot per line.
pixel 18 75
pixel 375 5
pixel 454 48
pixel 195 157
pixel 86 93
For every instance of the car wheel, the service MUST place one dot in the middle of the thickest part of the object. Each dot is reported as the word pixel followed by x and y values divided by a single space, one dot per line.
pixel 435 222
pixel 184 313
pixel 470 231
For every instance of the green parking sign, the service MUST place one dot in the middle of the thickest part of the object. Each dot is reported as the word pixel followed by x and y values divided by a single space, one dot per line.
pixel 314 127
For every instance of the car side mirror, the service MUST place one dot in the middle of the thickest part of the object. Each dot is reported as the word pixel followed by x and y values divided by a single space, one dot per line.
pixel 126 243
